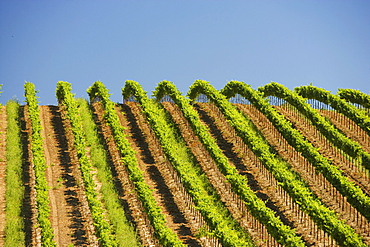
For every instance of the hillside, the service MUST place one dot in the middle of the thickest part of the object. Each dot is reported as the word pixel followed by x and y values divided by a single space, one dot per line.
pixel 235 167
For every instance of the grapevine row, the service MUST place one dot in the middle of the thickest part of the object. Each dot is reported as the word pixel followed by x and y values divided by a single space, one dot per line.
pixel 359 117
pixel 123 230
pixel 351 130
pixel 165 235
pixel 325 190
pixel 102 226
pixel 282 233
pixel 14 225
pixel 355 96
pixel 355 195
pixel 316 180
pixel 339 140
pixel 184 215
pixel 251 166
pixel 39 163
pixel 337 103
pixel 218 218
pixel 290 181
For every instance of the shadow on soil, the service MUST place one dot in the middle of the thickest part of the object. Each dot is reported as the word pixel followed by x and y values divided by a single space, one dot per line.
pixel 69 181
pixel 228 150
pixel 137 134
pixel 27 208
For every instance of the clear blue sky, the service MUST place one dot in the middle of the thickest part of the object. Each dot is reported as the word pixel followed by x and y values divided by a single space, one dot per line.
pixel 290 42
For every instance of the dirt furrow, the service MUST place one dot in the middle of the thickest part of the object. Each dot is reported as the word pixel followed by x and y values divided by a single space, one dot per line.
pixel 326 149
pixel 33 233
pixel 126 189
pixel 161 177
pixel 218 180
pixel 83 205
pixel 348 127
pixel 260 179
pixel 3 125
pixel 69 215
pixel 317 182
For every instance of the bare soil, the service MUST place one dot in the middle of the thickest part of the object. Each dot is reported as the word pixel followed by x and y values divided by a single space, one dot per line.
pixel 259 178
pixel 317 182
pixel 328 150
pixel 67 216
pixel 33 233
pixel 235 206
pixel 349 128
pixel 126 189
pixel 168 192
pixel 70 214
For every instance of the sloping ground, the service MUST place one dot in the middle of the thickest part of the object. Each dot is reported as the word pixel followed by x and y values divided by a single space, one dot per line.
pixel 228 197
pixel 70 217
pixel 129 198
pixel 69 211
pixel 348 127
pixel 346 164
pixel 260 180
pixel 33 234
pixel 161 177
pixel 321 187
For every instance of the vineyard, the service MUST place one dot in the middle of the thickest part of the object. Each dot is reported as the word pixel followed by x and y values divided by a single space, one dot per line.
pixel 230 167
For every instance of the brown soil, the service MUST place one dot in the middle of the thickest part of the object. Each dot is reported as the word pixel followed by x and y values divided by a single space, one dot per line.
pixel 126 189
pixel 33 233
pixel 159 175
pixel 259 179
pixel 347 165
pixel 235 206
pixel 317 182
pixel 67 211
pixel 70 214
pixel 3 125
pixel 349 128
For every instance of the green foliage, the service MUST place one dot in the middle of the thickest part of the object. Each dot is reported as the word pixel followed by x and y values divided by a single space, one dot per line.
pixel 123 229
pixel 14 195
pixel 197 185
pixel 355 195
pixel 39 162
pixel 325 218
pixel 337 103
pixel 102 226
pixel 355 96
pixel 165 235
pixel 282 233
pixel 221 223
